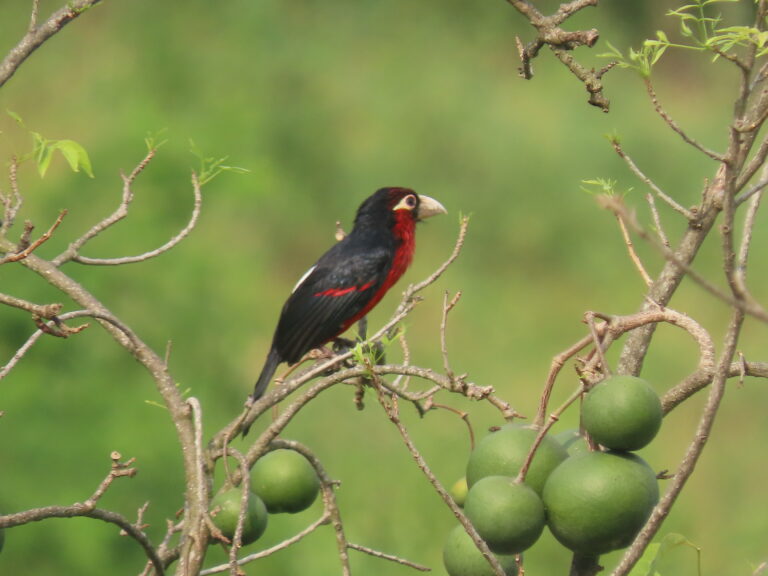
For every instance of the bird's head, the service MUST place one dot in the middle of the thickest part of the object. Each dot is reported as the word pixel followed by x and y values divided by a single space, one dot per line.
pixel 397 205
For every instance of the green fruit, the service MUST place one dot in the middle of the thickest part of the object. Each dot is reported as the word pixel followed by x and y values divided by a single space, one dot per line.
pixel 598 502
pixel 285 481
pixel 502 453
pixel 572 441
pixel 622 413
pixel 508 516
pixel 225 510
pixel 459 491
pixel 462 558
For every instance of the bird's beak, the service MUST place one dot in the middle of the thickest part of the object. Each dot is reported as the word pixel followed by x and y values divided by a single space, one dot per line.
pixel 429 207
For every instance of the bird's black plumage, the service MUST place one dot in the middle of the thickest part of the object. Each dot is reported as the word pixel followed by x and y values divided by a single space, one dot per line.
pixel 350 278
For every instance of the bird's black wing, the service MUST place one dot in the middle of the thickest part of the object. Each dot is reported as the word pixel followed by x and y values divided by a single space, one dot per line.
pixel 330 295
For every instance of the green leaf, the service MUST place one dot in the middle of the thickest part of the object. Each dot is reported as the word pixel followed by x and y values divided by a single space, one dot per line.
pixel 16 117
pixel 43 155
pixel 656 552
pixel 75 155
pixel 211 167
pixel 646 565
pixel 154 141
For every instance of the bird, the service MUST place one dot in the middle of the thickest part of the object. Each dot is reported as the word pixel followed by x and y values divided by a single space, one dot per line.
pixel 350 278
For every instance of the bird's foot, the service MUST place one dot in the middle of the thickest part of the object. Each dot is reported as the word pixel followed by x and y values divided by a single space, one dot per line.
pixel 343 345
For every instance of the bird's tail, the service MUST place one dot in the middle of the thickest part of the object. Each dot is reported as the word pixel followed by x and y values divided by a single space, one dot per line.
pixel 273 359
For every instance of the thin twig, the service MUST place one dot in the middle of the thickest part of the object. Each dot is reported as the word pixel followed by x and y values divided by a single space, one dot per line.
pixel 46 311
pixel 657 221
pixel 161 249
pixel 597 340
pixel 15 257
pixel 389 557
pixel 666 198
pixel 447 307
pixel 119 213
pixel 750 306
pixel 324 519
pixel 555 367
pixel 391 409
pixel 631 249
pixel 675 127
pixel 12 201
pixel 700 379
pixel 327 487
pixel 89 509
pixel 695 448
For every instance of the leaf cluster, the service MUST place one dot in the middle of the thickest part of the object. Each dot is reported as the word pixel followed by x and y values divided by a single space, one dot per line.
pixel 700 31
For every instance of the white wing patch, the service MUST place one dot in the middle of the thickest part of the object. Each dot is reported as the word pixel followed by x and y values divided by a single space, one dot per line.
pixel 301 280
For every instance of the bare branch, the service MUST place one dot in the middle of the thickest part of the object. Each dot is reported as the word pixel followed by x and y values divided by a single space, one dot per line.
pixel 447 307
pixel 46 311
pixel 327 487
pixel 675 127
pixel 695 448
pixel 37 35
pixel 657 220
pixel 556 366
pixel 703 378
pixel 631 249
pixel 324 519
pixel 389 557
pixel 157 251
pixel 561 42
pixel 650 183
pixel 15 257
pixel 749 305
pixel 12 201
pixel 89 509
pixel 120 212
pixel 392 411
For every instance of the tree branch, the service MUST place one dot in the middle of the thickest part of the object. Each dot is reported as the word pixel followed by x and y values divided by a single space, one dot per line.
pixel 37 35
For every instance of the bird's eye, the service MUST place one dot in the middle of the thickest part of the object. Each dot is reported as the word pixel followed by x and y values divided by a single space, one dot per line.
pixel 407 203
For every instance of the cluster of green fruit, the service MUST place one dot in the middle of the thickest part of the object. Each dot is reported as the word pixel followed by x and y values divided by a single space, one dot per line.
pixel 280 481
pixel 592 501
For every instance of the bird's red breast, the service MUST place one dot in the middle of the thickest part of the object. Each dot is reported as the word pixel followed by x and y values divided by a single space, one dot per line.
pixel 405 244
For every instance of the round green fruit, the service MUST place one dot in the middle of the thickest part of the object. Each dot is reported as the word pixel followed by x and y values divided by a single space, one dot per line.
pixel 285 481
pixel 459 491
pixel 508 516
pixel 572 441
pixel 503 452
pixel 598 502
pixel 462 558
pixel 225 510
pixel 622 413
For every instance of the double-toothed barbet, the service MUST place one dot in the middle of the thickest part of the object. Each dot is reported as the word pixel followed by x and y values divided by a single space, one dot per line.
pixel 350 278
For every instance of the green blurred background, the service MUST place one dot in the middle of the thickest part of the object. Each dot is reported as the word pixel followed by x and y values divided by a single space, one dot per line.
pixel 324 102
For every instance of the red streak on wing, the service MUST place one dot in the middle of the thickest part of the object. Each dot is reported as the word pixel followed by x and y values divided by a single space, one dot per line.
pixel 342 291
